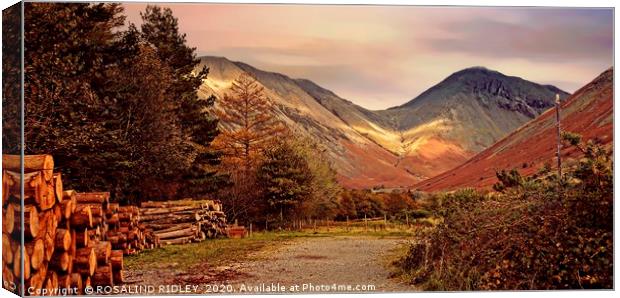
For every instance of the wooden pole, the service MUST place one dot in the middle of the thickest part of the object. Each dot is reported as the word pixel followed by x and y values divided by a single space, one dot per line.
pixel 385 221
pixel 559 135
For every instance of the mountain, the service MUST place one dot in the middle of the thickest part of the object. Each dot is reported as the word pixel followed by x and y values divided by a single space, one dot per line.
pixel 434 132
pixel 589 112
pixel 464 114
pixel 359 161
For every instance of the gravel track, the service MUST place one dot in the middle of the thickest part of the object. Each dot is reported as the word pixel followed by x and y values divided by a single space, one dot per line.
pixel 320 262
pixel 326 261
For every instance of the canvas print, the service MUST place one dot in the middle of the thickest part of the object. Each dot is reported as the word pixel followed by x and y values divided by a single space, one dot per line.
pixel 204 148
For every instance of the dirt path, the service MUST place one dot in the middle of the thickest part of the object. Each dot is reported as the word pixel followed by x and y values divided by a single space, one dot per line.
pixel 323 262
pixel 304 265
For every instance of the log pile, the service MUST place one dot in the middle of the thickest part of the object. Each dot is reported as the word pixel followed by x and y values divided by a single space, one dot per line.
pixel 183 221
pixel 64 232
pixel 125 231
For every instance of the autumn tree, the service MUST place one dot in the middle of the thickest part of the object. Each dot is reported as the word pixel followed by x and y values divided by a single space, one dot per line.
pixel 248 128
pixel 346 206
pixel 249 117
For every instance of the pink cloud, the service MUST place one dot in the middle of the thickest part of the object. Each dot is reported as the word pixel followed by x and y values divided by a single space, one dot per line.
pixel 382 56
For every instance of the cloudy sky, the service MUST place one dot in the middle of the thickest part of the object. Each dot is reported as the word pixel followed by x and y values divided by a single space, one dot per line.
pixel 382 56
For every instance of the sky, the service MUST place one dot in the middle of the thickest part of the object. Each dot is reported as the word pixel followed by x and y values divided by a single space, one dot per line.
pixel 384 56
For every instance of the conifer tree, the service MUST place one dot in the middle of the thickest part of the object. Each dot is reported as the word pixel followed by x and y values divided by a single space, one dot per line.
pixel 285 177
pixel 249 115
pixel 196 118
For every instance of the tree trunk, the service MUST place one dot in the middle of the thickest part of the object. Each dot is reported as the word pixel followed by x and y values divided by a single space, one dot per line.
pixel 103 250
pixel 118 276
pixel 36 251
pixel 61 261
pixel 44 163
pixel 64 281
pixel 101 198
pixel 82 218
pixel 57 182
pixel 66 206
pixel 76 282
pixel 85 261
pixel 8 219
pixel 7 251
pixel 7 181
pixel 116 259
pixel 103 276
pixel 81 238
pixel 31 222
pixel 191 231
pixel 70 196
pixel 63 239
pixel 181 240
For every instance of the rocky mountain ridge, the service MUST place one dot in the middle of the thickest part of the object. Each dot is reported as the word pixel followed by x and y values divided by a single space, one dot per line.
pixel 398 147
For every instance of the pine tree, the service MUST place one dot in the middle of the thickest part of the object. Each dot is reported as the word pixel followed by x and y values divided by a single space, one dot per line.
pixel 285 177
pixel 113 110
pixel 65 115
pixel 11 77
pixel 197 121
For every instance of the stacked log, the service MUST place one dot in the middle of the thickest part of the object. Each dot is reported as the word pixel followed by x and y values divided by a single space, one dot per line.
pixel 125 231
pixel 183 221
pixel 64 232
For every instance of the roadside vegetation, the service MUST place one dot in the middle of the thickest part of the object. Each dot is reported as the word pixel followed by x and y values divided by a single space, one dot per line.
pixel 530 233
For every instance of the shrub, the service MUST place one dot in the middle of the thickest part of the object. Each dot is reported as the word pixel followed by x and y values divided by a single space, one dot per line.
pixel 528 236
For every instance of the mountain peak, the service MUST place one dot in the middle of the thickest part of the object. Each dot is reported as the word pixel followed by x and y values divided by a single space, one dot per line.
pixel 476 73
pixel 476 69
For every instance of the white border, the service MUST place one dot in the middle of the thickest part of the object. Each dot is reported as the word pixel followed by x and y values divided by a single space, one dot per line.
pixel 566 3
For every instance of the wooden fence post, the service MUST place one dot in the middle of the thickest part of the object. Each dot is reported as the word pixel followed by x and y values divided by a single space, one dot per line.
pixel 385 221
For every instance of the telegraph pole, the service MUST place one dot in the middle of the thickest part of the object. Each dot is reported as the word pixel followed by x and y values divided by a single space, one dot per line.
pixel 559 131
pixel 559 136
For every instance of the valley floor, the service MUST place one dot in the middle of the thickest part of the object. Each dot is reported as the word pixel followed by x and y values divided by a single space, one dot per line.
pixel 274 263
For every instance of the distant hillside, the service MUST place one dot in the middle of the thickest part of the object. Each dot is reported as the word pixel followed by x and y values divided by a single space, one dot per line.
pixel 464 114
pixel 359 161
pixel 588 112
pixel 401 146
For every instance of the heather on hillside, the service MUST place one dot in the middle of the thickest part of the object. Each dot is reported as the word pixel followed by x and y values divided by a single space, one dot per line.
pixel 535 232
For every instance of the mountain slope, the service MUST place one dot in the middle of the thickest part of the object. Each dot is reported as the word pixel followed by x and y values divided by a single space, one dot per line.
pixel 434 132
pixel 589 112
pixel 464 114
pixel 359 161
pixel 368 123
